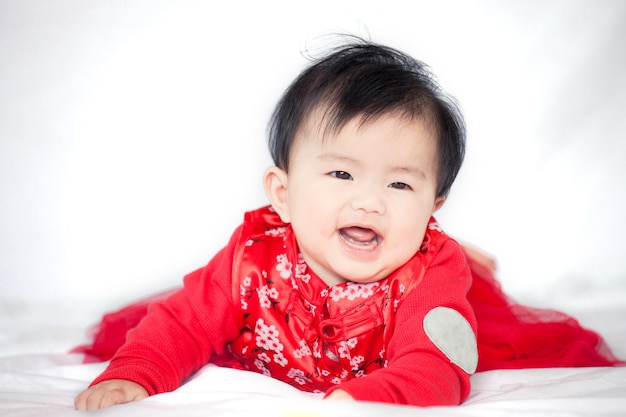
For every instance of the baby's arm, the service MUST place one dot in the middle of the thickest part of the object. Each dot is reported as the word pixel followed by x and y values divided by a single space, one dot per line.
pixel 108 393
pixel 418 372
pixel 175 339
pixel 167 346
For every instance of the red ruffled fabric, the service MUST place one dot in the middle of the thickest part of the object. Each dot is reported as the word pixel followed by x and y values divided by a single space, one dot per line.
pixel 514 336
pixel 110 334
pixel 510 335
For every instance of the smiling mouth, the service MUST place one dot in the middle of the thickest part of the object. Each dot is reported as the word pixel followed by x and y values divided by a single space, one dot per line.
pixel 360 236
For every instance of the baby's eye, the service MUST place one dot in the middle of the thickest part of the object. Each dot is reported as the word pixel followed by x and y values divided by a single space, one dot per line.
pixel 342 175
pixel 400 186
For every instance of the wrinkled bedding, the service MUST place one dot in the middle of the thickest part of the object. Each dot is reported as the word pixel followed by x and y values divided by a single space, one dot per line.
pixel 39 378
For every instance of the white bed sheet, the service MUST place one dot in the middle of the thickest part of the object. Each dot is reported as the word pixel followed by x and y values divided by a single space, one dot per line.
pixel 39 379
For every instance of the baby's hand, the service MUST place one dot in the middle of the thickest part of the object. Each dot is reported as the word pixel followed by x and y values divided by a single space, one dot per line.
pixel 108 393
pixel 339 394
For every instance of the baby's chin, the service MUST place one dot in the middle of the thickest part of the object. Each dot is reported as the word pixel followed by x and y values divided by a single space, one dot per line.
pixel 334 278
pixel 365 277
pixel 340 270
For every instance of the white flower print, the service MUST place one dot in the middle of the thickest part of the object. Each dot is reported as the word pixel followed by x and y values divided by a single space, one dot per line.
pixel 435 226
pixel 345 346
pixel 267 336
pixel 336 293
pixel 243 290
pixel 261 366
pixel 272 293
pixel 266 294
pixel 267 340
pixel 276 231
pixel 274 345
pixel 367 290
pixel 344 351
pixel 353 291
pixel 298 376
pixel 396 302
pixel 303 351
pixel 280 359
pixel 300 273
pixel 356 362
pixel 301 268
pixel 317 352
pixel 284 267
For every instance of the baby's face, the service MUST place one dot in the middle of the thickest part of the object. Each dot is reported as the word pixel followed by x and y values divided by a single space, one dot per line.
pixel 359 201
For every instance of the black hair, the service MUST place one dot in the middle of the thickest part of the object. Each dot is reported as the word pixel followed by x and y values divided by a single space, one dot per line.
pixel 367 80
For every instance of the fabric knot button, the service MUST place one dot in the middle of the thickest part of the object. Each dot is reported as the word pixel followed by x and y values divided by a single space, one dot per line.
pixel 246 335
pixel 328 331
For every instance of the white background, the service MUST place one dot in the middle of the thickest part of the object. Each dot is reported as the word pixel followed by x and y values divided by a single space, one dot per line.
pixel 132 134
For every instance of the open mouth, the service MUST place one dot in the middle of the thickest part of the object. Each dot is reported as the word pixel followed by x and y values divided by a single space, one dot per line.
pixel 360 236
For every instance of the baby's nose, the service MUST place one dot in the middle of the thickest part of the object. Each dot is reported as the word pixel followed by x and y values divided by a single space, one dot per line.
pixel 368 200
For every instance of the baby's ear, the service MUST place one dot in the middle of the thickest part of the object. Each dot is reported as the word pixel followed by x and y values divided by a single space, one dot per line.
pixel 438 203
pixel 275 184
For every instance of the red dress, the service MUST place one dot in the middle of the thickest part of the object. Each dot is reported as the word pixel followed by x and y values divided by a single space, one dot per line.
pixel 257 306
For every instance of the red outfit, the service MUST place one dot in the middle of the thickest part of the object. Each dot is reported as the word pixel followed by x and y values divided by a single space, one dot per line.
pixel 258 306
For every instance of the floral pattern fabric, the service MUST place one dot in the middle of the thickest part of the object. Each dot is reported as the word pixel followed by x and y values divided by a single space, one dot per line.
pixel 297 329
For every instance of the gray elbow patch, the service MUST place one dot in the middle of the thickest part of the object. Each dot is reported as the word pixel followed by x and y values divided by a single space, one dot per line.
pixel 453 335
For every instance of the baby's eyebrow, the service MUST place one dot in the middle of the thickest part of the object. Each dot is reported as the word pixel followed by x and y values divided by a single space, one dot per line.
pixel 333 156
pixel 410 170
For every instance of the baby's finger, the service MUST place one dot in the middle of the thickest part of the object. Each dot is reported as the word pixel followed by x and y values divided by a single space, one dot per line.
pixel 112 397
pixel 80 402
pixel 87 400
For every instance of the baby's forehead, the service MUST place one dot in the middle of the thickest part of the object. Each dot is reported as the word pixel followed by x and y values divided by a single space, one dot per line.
pixel 322 124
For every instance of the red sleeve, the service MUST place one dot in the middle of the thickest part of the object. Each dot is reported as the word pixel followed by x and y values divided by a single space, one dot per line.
pixel 180 334
pixel 418 373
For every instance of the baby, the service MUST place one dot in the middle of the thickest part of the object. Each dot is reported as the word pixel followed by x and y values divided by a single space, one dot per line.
pixel 345 285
